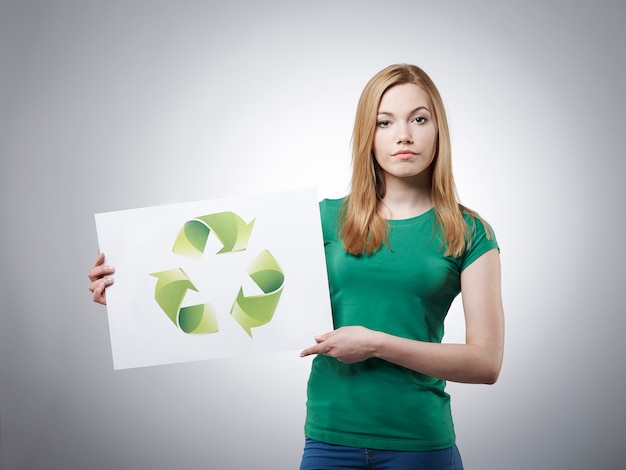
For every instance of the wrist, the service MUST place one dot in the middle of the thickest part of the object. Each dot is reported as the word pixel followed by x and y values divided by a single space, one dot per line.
pixel 377 344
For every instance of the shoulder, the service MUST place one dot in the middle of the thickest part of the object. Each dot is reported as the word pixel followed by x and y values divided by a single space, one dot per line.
pixel 478 226
pixel 331 204
pixel 330 209
pixel 330 212
pixel 481 237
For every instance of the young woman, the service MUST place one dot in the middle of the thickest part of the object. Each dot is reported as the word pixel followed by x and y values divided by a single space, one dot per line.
pixel 399 249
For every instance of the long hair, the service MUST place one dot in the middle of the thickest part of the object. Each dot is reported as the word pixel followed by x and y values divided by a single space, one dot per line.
pixel 363 228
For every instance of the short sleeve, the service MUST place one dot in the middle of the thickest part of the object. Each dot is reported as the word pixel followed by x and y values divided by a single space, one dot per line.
pixel 330 211
pixel 479 242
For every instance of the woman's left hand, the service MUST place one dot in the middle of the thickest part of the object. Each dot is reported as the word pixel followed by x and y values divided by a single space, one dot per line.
pixel 347 344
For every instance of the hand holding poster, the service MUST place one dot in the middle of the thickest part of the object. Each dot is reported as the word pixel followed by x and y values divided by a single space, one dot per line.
pixel 215 278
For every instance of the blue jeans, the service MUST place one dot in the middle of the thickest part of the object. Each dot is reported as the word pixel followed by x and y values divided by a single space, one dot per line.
pixel 320 456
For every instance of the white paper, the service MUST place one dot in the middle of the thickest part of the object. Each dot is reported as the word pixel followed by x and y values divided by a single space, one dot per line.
pixel 284 230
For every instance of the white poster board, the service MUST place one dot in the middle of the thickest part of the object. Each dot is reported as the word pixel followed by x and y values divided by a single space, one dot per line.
pixel 215 278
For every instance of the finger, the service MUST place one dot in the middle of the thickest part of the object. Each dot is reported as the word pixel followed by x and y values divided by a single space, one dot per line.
pixel 323 337
pixel 99 271
pixel 104 281
pixel 312 350
pixel 99 259
pixel 99 293
pixel 98 288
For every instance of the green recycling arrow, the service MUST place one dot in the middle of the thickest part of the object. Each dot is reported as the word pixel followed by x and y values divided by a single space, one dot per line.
pixel 234 234
pixel 257 310
pixel 172 285
pixel 228 227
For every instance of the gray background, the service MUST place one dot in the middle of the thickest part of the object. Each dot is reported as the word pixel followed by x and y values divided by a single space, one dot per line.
pixel 114 105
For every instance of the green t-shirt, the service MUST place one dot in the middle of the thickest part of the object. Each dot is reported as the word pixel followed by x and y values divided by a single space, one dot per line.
pixel 407 292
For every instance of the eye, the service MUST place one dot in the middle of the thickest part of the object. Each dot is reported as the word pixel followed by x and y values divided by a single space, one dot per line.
pixel 383 123
pixel 420 120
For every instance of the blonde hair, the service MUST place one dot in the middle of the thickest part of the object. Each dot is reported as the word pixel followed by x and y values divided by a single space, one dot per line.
pixel 363 228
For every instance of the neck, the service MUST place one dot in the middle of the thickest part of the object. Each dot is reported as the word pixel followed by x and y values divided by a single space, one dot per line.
pixel 404 199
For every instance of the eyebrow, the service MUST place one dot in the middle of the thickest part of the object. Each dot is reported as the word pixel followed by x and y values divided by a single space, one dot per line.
pixel 386 113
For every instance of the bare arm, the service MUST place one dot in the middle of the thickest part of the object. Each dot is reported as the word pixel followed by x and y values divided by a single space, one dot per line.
pixel 100 278
pixel 478 360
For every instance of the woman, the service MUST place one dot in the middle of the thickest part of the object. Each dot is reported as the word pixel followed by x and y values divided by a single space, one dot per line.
pixel 399 249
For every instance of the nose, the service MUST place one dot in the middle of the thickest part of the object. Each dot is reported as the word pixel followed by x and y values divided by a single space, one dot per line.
pixel 404 135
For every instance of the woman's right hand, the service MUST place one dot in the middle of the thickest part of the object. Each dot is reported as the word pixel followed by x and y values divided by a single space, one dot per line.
pixel 100 277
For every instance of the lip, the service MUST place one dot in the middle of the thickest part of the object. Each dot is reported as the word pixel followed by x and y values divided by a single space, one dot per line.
pixel 404 154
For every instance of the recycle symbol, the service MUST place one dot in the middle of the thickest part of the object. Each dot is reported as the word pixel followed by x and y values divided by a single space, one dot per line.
pixel 249 311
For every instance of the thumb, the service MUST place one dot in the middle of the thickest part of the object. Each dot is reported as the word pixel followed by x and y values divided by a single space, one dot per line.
pixel 323 337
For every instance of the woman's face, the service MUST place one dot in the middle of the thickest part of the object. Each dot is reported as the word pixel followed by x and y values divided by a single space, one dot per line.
pixel 405 139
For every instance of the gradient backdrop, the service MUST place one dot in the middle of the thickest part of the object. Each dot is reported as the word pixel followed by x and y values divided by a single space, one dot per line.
pixel 109 105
